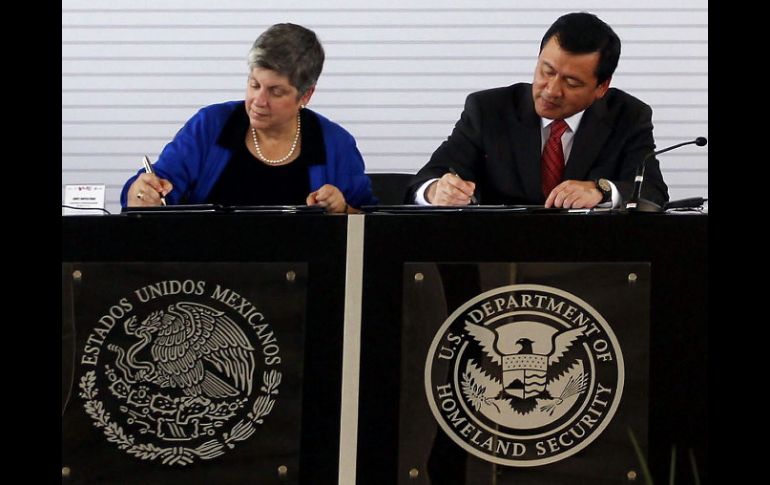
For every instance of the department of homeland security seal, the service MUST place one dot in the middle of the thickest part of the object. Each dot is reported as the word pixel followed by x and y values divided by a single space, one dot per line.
pixel 524 375
pixel 176 371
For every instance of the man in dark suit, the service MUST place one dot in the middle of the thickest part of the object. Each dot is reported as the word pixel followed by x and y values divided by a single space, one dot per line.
pixel 500 150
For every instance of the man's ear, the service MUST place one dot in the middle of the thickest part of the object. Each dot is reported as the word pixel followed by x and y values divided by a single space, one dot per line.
pixel 602 88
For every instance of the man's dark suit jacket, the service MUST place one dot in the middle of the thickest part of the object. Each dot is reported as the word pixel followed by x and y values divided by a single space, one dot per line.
pixel 496 143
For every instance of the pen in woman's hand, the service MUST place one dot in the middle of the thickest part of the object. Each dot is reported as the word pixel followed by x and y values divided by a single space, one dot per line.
pixel 148 169
pixel 473 197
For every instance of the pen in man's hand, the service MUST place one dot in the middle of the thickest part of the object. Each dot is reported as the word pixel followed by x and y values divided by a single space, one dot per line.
pixel 148 169
pixel 473 197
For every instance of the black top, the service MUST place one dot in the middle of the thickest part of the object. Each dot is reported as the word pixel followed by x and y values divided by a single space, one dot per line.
pixel 246 180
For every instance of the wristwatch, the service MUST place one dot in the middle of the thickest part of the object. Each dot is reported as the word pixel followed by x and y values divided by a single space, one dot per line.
pixel 605 188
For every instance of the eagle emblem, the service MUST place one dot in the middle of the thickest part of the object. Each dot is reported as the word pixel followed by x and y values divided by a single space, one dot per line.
pixel 523 377
pixel 180 379
pixel 191 370
pixel 189 342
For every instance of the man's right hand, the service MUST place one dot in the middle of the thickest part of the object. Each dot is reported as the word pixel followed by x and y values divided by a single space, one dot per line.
pixel 450 190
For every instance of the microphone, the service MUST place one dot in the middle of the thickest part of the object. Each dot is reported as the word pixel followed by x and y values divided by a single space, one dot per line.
pixel 636 203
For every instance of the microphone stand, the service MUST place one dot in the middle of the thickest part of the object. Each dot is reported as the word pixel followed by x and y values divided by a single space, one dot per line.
pixel 636 203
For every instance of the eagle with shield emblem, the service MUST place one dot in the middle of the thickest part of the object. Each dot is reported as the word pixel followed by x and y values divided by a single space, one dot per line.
pixel 522 377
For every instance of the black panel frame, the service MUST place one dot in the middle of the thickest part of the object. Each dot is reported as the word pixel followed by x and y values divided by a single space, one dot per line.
pixel 674 244
pixel 318 240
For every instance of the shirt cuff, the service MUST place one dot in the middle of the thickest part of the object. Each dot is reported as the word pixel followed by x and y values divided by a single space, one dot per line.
pixel 419 194
pixel 615 196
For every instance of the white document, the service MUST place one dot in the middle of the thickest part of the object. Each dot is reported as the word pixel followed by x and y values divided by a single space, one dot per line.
pixel 84 200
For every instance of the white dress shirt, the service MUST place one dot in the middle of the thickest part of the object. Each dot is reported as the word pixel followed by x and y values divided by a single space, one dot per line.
pixel 573 122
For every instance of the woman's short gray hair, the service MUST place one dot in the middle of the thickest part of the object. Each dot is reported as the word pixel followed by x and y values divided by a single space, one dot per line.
pixel 292 51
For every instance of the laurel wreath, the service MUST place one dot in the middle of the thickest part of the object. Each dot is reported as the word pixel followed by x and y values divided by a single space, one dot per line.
pixel 475 392
pixel 180 455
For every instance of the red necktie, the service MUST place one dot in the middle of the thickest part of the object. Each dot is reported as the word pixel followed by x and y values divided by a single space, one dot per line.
pixel 552 164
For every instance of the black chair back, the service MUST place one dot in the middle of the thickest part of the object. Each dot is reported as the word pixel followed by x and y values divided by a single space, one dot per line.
pixel 390 188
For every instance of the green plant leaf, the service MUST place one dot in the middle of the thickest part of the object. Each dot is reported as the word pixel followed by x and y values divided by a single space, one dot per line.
pixel 672 467
pixel 642 461
pixel 694 466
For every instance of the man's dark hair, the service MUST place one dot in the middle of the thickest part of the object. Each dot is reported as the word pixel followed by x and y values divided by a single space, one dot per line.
pixel 583 33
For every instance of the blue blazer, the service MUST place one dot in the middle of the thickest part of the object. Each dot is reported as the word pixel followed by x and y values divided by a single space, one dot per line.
pixel 193 160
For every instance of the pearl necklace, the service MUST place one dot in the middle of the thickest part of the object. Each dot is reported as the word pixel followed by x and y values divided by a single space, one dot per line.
pixel 280 160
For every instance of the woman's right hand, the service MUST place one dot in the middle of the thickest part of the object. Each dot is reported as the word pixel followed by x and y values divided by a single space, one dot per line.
pixel 329 197
pixel 147 190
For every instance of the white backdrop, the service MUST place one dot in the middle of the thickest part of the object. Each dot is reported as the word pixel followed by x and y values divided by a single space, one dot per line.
pixel 396 74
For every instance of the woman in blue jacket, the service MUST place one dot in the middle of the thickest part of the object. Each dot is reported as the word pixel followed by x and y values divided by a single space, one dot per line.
pixel 267 150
